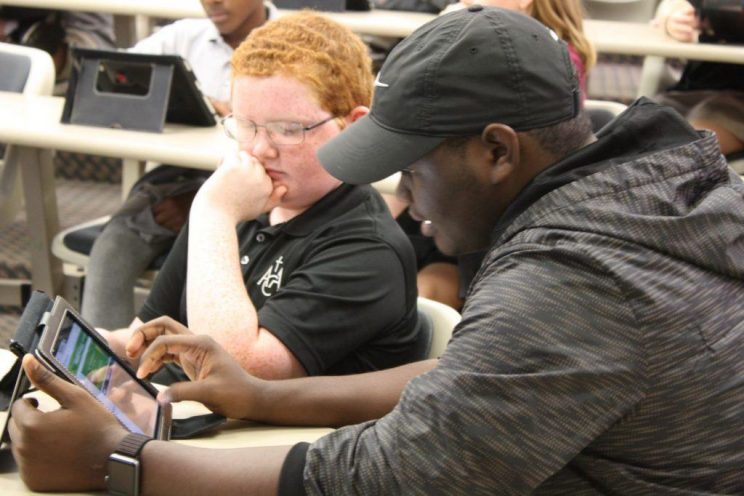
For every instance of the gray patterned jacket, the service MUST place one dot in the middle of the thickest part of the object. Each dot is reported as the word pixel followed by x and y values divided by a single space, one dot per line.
pixel 601 349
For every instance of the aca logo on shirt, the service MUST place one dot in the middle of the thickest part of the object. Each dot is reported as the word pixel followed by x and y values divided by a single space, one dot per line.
pixel 271 281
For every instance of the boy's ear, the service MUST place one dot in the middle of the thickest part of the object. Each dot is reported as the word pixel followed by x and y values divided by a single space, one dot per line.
pixel 356 113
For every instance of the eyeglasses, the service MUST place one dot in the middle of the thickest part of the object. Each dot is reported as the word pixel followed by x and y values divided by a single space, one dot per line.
pixel 279 132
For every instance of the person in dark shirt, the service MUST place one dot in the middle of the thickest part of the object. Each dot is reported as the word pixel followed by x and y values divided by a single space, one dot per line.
pixel 317 278
pixel 601 341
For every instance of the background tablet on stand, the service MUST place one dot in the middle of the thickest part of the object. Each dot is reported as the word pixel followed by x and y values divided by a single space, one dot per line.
pixel 324 5
pixel 133 91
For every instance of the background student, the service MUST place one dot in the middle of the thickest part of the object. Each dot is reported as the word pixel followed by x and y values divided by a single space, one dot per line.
pixel 293 272
pixel 565 17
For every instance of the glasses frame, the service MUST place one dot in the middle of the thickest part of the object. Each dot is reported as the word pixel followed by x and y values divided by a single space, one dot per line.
pixel 304 129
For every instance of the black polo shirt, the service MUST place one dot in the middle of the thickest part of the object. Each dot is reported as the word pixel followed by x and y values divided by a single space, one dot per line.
pixel 336 284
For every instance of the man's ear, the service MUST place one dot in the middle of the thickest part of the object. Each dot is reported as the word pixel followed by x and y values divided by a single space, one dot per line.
pixel 503 145
pixel 356 113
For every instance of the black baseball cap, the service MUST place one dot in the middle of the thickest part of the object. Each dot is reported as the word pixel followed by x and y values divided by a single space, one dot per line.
pixel 451 78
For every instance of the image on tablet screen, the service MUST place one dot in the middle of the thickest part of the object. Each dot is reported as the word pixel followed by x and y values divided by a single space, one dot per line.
pixel 105 378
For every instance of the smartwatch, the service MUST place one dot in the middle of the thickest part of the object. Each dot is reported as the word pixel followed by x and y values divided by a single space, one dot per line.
pixel 123 468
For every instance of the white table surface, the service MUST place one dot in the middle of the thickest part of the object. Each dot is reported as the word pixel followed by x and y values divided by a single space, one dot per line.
pixel 32 123
pixel 643 39
pixel 235 434
pixel 607 36
pixel 172 9
pixel 379 22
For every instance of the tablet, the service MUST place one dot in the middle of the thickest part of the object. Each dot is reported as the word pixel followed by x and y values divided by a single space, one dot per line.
pixel 324 5
pixel 76 352
pixel 131 90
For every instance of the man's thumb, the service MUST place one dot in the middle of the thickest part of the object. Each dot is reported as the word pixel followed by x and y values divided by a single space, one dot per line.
pixel 46 381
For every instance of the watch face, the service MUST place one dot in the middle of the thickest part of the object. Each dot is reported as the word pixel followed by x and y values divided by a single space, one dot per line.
pixel 123 475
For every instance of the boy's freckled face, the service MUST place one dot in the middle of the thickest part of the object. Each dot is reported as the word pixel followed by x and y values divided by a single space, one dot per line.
pixel 278 98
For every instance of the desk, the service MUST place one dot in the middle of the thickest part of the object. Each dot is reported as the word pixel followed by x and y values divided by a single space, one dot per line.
pixel 379 22
pixel 33 124
pixel 643 39
pixel 608 36
pixel 236 434
pixel 170 9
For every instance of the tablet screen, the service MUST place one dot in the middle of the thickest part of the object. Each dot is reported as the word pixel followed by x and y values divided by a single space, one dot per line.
pixel 105 378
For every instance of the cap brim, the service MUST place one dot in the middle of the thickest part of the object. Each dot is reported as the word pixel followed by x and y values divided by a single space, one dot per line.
pixel 366 152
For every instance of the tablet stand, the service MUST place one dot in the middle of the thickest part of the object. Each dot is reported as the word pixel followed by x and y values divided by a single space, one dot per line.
pixel 25 340
pixel 322 5
pixel 143 110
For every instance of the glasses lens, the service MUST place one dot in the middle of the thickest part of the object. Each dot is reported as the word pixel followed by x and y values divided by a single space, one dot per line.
pixel 285 133
pixel 242 132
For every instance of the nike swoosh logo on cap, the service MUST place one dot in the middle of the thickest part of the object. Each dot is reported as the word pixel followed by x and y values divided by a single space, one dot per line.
pixel 380 83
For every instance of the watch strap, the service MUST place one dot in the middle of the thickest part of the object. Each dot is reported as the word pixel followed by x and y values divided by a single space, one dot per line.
pixel 132 444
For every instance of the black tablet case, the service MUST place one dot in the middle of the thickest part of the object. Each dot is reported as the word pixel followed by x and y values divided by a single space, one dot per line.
pixel 133 91
pixel 324 5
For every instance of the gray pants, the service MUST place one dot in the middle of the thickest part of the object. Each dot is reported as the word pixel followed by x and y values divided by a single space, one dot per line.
pixel 129 243
pixel 118 258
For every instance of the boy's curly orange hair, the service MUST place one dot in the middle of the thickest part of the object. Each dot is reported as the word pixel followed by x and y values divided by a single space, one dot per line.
pixel 317 51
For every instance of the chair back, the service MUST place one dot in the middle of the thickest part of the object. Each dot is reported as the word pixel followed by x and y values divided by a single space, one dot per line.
pixel 26 70
pixel 601 112
pixel 29 71
pixel 443 320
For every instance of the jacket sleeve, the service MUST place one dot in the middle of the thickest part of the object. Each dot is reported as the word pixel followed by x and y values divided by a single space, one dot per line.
pixel 546 358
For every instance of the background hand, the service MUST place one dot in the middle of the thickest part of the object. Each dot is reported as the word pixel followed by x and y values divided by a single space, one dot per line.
pixel 682 24
pixel 222 108
pixel 88 432
pixel 217 380
pixel 173 211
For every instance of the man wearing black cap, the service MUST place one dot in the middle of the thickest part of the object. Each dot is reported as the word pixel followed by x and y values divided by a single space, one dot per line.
pixel 601 345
